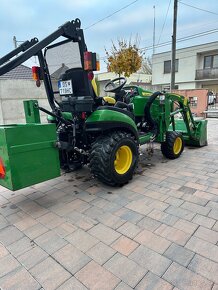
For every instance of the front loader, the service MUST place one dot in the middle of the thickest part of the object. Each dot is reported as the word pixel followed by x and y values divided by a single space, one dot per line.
pixel 84 128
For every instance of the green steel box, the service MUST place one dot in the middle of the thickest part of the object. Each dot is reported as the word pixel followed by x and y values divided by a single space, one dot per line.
pixel 27 154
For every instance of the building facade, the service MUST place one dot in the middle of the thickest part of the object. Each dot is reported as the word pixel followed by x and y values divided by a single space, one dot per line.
pixel 196 68
pixel 15 87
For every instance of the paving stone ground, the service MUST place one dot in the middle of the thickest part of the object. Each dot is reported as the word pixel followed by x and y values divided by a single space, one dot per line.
pixel 160 231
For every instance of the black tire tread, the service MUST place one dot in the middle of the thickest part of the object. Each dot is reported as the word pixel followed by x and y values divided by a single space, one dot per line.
pixel 101 153
pixel 167 147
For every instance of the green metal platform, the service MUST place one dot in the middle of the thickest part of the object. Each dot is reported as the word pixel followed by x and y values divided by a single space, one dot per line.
pixel 28 154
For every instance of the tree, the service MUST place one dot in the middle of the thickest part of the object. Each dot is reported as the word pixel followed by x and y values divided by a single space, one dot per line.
pixel 146 66
pixel 124 58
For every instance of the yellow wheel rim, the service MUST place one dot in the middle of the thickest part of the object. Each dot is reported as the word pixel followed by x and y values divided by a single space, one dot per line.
pixel 123 159
pixel 177 147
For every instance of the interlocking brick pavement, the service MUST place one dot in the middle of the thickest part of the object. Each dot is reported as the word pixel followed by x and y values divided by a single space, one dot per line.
pixel 158 232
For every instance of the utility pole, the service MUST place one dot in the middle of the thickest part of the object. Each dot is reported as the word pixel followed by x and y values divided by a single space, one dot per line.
pixel 173 59
pixel 154 31
pixel 15 41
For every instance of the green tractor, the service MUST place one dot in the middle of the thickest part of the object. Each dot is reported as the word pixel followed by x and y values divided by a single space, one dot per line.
pixel 84 128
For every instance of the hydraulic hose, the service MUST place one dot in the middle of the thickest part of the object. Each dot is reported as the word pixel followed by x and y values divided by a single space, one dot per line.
pixel 153 125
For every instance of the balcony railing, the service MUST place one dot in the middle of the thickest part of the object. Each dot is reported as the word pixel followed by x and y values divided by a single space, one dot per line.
pixel 207 73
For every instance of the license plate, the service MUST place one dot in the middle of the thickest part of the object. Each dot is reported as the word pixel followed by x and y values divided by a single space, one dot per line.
pixel 65 87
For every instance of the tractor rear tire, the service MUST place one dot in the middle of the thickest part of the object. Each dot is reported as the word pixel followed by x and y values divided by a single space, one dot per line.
pixel 173 147
pixel 114 157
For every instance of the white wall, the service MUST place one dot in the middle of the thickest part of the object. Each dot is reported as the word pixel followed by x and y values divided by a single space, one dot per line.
pixel 12 94
pixel 190 59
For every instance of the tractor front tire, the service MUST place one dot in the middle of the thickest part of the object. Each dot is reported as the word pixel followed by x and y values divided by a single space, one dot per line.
pixel 173 147
pixel 114 157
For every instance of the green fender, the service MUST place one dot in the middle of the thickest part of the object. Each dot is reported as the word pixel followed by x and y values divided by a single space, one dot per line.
pixel 65 115
pixel 102 120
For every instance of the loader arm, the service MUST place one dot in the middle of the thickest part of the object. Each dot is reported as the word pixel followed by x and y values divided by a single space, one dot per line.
pixel 194 131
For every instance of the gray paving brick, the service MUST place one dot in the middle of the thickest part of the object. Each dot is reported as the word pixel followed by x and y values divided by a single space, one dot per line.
pixel 104 234
pixel 179 254
pixel 35 231
pixel 3 251
pixel 205 268
pixel 21 246
pixel 111 220
pixel 214 214
pixel 72 284
pixel 19 279
pixel 174 201
pixel 173 234
pixel 195 208
pixel 125 269
pixel 203 248
pixel 129 215
pixel 195 199
pixel 9 235
pixel 123 286
pixel 71 258
pixel 139 206
pixel 50 242
pixel 150 260
pixel 149 224
pixel 180 212
pixel 130 230
pixel 187 189
pixel 89 276
pixel 183 278
pixel 152 241
pixel 82 240
pixel 32 257
pixel 8 264
pixel 3 222
pixel 152 281
pixel 100 253
pixel 49 274
pixel 163 217
pixel 207 235
pixel 215 227
pixel 186 226
pixel 204 221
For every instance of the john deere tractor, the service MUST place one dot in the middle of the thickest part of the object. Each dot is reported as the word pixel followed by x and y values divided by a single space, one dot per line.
pixel 84 128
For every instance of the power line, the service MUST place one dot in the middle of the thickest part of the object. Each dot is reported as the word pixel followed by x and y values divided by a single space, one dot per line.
pixel 198 8
pixel 164 22
pixel 215 30
pixel 110 15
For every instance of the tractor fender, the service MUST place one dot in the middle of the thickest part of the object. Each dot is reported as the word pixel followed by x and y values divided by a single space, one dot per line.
pixel 107 120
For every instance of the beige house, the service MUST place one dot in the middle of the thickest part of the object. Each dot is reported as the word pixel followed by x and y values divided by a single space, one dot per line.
pixel 196 68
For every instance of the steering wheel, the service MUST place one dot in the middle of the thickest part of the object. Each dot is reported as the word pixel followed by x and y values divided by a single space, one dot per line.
pixel 115 85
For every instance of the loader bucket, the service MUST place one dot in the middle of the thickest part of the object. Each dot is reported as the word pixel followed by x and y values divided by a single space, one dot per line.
pixel 197 137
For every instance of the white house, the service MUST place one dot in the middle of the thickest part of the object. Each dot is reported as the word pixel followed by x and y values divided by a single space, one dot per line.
pixel 196 67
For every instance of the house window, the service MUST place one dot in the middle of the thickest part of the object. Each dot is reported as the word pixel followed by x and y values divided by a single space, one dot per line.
pixel 167 66
pixel 211 61
pixel 193 102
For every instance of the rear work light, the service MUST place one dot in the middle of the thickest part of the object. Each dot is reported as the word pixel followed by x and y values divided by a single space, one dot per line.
pixel 2 169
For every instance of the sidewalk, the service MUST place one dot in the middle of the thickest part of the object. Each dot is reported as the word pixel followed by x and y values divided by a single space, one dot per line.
pixel 160 231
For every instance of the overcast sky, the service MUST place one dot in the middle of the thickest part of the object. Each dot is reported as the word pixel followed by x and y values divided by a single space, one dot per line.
pixel 27 19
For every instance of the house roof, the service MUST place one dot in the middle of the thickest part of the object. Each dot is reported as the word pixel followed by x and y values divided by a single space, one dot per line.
pixel 20 72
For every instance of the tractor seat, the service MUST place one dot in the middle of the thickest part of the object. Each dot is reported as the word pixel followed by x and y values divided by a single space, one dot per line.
pixel 117 109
